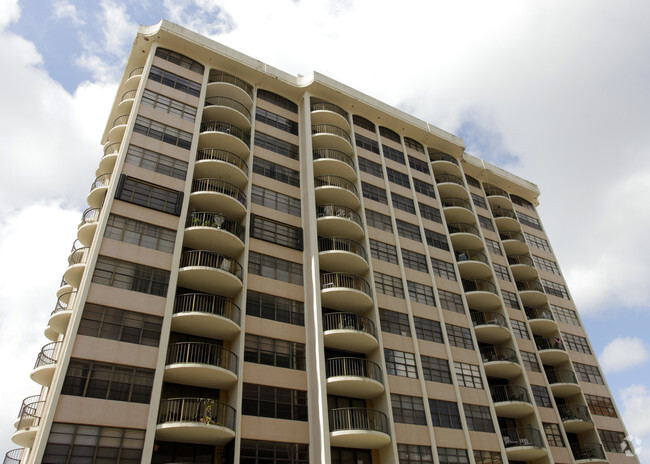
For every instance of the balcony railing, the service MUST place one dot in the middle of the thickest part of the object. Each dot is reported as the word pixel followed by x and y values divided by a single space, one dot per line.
pixel 202 353
pixel 521 436
pixel 470 255
pixel 120 120
pixel 501 393
pixel 90 215
pixel 462 227
pixel 101 181
pixel 217 126
pixel 520 259
pixel 348 321
pixel 479 285
pixel 216 221
pixel 211 259
pixel 549 343
pixel 488 318
pixel 208 304
pixel 330 129
pixel 64 301
pixel 341 280
pixel 128 95
pixel 498 353
pixel 574 412
pixel 341 244
pixel 136 71
pixel 512 235
pixel 335 181
pixel 449 178
pixel 230 79
pixel 229 103
pixel 215 154
pixel 491 190
pixel 48 355
pixel 324 106
pixel 354 367
pixel 30 412
pixel 338 211
pixel 201 410
pixel 529 285
pixel 112 148
pixel 14 456
pixel 77 253
pixel 358 419
pixel 455 202
pixel 504 213
pixel 561 376
pixel 219 186
pixel 330 153
pixel 539 313
pixel 443 157
pixel 583 451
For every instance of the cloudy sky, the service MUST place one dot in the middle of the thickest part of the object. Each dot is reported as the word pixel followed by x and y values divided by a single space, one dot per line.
pixel 557 92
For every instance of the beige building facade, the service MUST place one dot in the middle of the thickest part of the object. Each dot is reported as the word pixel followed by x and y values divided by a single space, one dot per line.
pixel 280 269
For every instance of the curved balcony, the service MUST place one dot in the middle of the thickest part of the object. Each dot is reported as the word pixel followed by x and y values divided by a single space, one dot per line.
pixel 473 264
pixel 64 287
pixel 457 210
pixel 126 101
pixel 442 163
pixel 60 317
pixel 116 132
pixel 345 292
pixel 206 315
pixel 464 236
pixel 541 320
pixel 563 382
pixel 133 78
pixel 500 361
pixel 210 272
pixel 331 136
pixel 221 164
pixel 511 401
pixel 551 350
pixel 88 225
pixel 46 364
pixel 513 242
pixel 225 136
pixel 195 420
pixel 227 85
pixel 334 162
pixel 329 113
pixel 523 443
pixel 342 254
pixel 215 232
pixel 490 327
pixel 531 293
pixel 98 191
pixel 492 191
pixel 108 160
pixel 450 185
pixel 29 420
pixel 201 364
pixel 575 417
pixel 14 456
pixel 354 377
pixel 506 219
pixel 522 267
pixel 226 109
pixel 76 264
pixel 358 428
pixel 349 332
pixel 588 453
pixel 338 190
pixel 481 294
pixel 339 220
pixel 218 196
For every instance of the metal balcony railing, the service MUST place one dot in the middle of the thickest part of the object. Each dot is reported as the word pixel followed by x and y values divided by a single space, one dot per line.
pixel 521 436
pixel 136 71
pixel 215 154
pixel 90 215
pixel 529 285
pixel 120 120
pixel 340 280
pixel 30 412
pixel 455 202
pixel 462 227
pixel 101 181
pixel 196 410
pixel 491 190
pixel 219 186
pixel 341 244
pixel 488 318
pixel 226 128
pixel 341 419
pixel 127 95
pixel 449 178
pixel 539 313
pixel 502 393
pixel 216 221
pixel 330 153
pixel 208 304
pixel 549 343
pixel 583 451
pixel 335 181
pixel 498 353
pixel 348 321
pixel 470 255
pixel 64 301
pixel 14 456
pixel 561 376
pixel 504 213
pixel 77 254
pixel 512 235
pixel 574 412
pixel 229 103
pixel 324 106
pixel 354 367
pixel 202 353
pixel 443 157
pixel 49 354
pixel 211 259
pixel 230 79
pixel 521 259
pixel 340 211
pixel 479 285
pixel 330 129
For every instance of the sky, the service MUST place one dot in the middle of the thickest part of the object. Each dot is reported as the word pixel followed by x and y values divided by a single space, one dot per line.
pixel 556 92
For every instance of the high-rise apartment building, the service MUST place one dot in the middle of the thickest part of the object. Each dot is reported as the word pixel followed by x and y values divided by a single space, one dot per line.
pixel 278 269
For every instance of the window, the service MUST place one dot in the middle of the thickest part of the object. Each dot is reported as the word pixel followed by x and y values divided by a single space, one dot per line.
pixel 398 178
pixel 414 454
pixel 614 442
pixel 519 328
pixel 501 272
pixel 379 221
pixel 414 260
pixel 275 308
pixel 140 233
pixel 400 363
pixel 389 134
pixel 168 105
pixel 275 120
pixel 576 343
pixel 510 299
pixel 430 213
pixel 479 201
pixel 555 289
pixel 529 221
pixel 522 202
pixel 277 100
pixel 418 165
pixel 156 162
pixel 276 145
pixel 436 239
pixel 370 167
pixel 547 265
pixel 383 251
pixel 149 195
pixel 421 293
pixel 274 352
pixel 468 375
pixel 540 393
pixel 478 418
pixel 444 414
pixel 408 230
pixel 158 131
pixel 435 369
pixel 443 269
pixel 276 232
pixel 167 451
pixel 494 246
pixel 403 203
pixel 394 322
pixel 426 329
pixel 276 172
pixel 530 361
pixel 363 123
pixel 272 452
pixel 537 242
pixel 276 200
pixel 565 315
pixel 276 402
pixel 600 405
pixel 451 301
pixel 374 193
pixel 118 324
pixel 76 443
pixel 473 182
pixel 130 276
pixel 408 409
pixel 366 143
pixel 174 81
pixel 389 285
pixel 486 223
pixel 393 154
pixel 415 145
pixel 487 457
pixel 116 382
pixel 452 456
pixel 424 188
pixel 275 268
pixel 460 337
pixel 180 60
pixel 553 434
pixel 350 455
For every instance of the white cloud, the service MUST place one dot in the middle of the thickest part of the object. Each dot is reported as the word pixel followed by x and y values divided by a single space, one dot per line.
pixel 64 9
pixel 623 353
pixel 9 12
pixel 635 407
pixel 207 17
